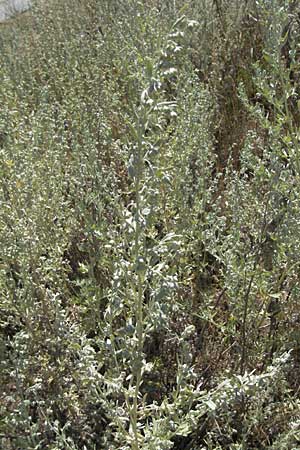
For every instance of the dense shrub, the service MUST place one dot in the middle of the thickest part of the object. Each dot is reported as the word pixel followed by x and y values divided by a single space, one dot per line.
pixel 149 273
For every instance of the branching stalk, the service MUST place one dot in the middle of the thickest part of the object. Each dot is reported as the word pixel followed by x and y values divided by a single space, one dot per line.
pixel 139 331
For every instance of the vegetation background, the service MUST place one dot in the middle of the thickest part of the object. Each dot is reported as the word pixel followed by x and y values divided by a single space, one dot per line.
pixel 150 225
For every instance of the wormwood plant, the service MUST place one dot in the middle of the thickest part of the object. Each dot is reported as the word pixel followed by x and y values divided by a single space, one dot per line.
pixel 278 94
pixel 141 299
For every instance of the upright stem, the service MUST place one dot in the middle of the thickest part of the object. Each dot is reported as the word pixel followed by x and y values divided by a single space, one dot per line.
pixel 137 370
pixel 245 318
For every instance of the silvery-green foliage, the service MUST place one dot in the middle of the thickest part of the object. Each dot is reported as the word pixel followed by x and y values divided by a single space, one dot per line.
pixel 149 226
pixel 144 267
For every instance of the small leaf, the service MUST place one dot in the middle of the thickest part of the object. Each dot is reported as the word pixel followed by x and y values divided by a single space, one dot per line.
pixel 278 295
pixel 146 211
pixel 170 71
pixel 212 406
pixel 192 23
